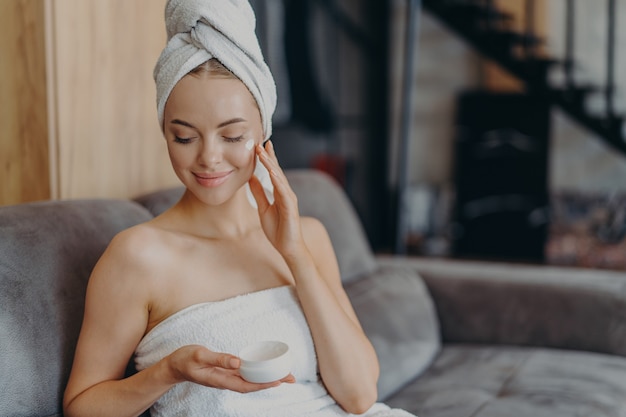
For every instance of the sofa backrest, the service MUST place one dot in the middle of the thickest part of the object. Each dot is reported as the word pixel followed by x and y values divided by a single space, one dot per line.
pixel 47 252
pixel 318 196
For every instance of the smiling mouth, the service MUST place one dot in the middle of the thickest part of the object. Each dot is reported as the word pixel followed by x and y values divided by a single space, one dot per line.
pixel 212 180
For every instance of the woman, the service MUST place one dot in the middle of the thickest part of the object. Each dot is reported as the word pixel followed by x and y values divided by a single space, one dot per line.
pixel 226 265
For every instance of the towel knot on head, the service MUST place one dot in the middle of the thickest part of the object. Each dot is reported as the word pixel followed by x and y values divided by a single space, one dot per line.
pixel 198 30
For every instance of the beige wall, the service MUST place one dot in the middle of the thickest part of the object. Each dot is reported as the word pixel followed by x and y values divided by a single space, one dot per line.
pixel 99 117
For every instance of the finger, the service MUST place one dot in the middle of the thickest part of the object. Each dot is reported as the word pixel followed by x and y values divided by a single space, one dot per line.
pixel 284 194
pixel 276 174
pixel 269 146
pixel 251 386
pixel 270 162
pixel 258 193
pixel 221 360
pixel 271 150
pixel 230 379
pixel 268 158
pixel 265 159
pixel 289 379
pixel 236 383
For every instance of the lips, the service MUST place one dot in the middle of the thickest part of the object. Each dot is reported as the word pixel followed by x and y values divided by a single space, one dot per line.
pixel 213 179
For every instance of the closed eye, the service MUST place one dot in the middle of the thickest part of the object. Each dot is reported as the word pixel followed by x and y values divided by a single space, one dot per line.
pixel 181 140
pixel 232 140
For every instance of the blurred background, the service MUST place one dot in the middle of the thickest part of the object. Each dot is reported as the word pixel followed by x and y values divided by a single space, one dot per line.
pixel 471 129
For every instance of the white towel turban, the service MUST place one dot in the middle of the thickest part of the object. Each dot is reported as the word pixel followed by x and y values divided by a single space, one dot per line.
pixel 198 30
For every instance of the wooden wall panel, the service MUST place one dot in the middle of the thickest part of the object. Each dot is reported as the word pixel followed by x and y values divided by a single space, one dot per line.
pixel 24 168
pixel 108 139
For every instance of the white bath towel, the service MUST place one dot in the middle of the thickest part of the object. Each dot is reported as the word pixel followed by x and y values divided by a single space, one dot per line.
pixel 228 326
pixel 198 30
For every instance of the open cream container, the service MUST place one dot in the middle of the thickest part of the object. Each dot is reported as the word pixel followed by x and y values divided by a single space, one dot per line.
pixel 266 361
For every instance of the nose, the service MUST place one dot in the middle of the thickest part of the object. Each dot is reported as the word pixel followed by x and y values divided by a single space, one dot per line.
pixel 211 153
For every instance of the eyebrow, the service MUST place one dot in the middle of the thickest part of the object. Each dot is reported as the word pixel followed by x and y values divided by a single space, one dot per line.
pixel 182 122
pixel 226 123
pixel 231 121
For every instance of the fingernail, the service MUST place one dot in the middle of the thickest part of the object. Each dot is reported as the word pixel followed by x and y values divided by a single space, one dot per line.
pixel 234 363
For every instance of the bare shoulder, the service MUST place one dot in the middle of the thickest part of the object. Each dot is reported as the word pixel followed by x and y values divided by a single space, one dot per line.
pixel 314 231
pixel 132 257
pixel 321 248
pixel 138 244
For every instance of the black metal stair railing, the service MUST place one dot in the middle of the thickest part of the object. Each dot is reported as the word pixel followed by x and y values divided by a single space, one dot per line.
pixel 490 32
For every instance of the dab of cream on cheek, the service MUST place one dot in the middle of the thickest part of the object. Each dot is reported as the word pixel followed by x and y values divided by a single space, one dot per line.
pixel 250 144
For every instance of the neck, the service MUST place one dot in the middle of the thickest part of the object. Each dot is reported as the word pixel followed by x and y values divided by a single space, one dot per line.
pixel 232 219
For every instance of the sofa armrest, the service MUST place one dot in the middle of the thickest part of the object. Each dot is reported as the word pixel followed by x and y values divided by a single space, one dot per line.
pixel 515 304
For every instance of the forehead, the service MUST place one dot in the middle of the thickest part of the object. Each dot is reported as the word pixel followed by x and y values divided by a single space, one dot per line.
pixel 203 96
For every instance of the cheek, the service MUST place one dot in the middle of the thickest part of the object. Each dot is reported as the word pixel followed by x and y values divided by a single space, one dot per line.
pixel 242 155
pixel 176 157
pixel 181 156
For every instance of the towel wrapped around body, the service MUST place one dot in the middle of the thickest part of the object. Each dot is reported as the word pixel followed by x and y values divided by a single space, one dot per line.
pixel 228 326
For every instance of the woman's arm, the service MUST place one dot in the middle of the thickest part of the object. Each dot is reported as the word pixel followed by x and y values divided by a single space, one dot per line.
pixel 116 316
pixel 347 360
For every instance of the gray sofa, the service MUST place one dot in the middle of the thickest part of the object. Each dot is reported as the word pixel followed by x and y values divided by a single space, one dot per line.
pixel 454 338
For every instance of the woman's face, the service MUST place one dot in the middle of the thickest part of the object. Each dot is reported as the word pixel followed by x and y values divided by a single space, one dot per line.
pixel 211 126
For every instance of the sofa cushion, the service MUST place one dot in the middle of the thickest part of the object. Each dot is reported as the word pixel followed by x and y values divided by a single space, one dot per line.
pixel 398 316
pixel 159 201
pixel 515 304
pixel 48 251
pixel 506 381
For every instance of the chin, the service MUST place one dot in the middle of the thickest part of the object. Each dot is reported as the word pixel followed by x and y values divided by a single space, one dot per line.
pixel 215 196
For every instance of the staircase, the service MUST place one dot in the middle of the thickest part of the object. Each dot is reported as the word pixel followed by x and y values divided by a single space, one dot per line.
pixel 490 32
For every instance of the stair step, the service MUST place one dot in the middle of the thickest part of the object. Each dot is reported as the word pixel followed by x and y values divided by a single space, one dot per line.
pixel 490 32
pixel 536 69
pixel 479 12
pixel 611 128
pixel 577 94
pixel 565 71
pixel 509 40
pixel 473 16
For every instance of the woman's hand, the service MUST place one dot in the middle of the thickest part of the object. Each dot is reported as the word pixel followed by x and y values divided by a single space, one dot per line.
pixel 280 220
pixel 198 364
pixel 346 358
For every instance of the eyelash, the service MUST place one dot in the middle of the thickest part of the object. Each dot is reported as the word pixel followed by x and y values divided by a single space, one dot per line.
pixel 232 140
pixel 188 140
pixel 181 140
